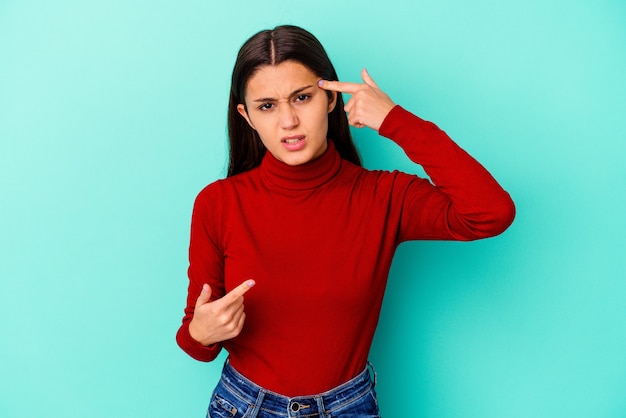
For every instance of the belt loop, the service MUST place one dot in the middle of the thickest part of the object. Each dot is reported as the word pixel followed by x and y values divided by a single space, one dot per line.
pixel 321 412
pixel 372 372
pixel 257 405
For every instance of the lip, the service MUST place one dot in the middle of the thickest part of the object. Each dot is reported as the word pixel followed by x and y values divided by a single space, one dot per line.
pixel 293 142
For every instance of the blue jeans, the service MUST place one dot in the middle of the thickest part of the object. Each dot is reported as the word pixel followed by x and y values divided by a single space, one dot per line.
pixel 236 396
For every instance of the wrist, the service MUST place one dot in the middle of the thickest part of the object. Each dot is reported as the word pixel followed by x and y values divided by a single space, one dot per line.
pixel 195 332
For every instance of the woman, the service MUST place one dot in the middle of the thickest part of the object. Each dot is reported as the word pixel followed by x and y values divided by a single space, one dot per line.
pixel 299 219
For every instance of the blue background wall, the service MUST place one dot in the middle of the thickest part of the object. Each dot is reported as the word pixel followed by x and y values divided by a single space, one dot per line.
pixel 112 118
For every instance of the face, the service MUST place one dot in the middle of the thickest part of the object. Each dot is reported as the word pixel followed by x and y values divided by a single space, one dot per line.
pixel 289 111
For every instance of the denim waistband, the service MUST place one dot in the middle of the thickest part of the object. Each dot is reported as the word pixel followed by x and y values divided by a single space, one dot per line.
pixel 299 406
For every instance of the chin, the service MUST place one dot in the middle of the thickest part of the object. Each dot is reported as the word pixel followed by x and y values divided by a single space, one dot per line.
pixel 297 160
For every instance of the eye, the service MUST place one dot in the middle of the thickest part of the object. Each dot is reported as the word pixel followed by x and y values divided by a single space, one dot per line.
pixel 266 106
pixel 302 97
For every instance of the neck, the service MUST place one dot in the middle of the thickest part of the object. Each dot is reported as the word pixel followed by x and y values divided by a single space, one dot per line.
pixel 305 176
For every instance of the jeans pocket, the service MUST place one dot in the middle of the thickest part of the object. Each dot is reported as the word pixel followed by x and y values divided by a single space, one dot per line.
pixel 374 396
pixel 221 408
pixel 226 404
pixel 365 406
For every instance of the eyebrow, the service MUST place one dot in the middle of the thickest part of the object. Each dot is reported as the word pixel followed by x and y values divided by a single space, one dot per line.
pixel 293 93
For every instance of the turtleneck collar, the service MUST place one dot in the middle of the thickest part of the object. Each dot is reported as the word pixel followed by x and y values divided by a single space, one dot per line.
pixel 301 177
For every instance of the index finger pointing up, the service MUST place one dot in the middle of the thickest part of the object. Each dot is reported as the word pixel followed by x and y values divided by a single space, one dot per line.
pixel 339 86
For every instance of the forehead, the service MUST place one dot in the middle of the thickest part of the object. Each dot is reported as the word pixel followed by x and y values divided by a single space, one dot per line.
pixel 279 80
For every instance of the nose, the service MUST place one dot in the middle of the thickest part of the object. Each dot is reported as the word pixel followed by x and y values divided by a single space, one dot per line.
pixel 288 117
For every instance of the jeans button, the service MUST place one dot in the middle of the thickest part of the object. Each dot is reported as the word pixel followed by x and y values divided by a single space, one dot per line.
pixel 295 407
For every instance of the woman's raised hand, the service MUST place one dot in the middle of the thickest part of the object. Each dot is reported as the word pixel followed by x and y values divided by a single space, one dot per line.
pixel 221 319
pixel 368 106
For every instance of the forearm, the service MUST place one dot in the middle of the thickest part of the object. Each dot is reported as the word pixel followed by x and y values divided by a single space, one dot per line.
pixel 466 202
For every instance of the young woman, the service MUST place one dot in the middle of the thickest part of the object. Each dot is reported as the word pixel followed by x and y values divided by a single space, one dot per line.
pixel 308 235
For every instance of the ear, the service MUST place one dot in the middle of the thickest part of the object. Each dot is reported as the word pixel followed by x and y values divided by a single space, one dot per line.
pixel 242 111
pixel 332 101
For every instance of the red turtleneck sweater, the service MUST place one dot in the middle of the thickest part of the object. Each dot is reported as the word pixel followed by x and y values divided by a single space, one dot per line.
pixel 318 239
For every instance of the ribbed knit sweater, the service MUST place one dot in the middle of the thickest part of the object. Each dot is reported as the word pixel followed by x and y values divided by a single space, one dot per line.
pixel 319 239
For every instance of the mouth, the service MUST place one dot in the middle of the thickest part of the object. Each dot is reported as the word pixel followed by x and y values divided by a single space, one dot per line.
pixel 294 143
pixel 292 140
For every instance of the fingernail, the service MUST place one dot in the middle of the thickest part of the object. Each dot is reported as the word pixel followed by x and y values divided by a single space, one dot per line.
pixel 320 83
pixel 251 283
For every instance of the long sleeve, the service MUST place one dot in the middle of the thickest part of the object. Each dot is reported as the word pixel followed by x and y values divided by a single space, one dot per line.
pixel 465 203
pixel 206 265
pixel 319 239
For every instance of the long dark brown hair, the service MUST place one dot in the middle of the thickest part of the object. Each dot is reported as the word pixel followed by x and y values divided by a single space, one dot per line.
pixel 272 47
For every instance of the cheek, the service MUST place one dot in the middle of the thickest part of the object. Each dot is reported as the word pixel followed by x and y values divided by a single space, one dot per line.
pixel 262 123
pixel 320 113
pixel 323 120
pixel 266 128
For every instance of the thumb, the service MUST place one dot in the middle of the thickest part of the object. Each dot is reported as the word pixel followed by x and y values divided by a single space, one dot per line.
pixel 205 295
pixel 368 79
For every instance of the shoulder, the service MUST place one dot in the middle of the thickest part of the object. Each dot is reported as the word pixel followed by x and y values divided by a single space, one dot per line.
pixel 210 192
pixel 379 182
pixel 222 187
